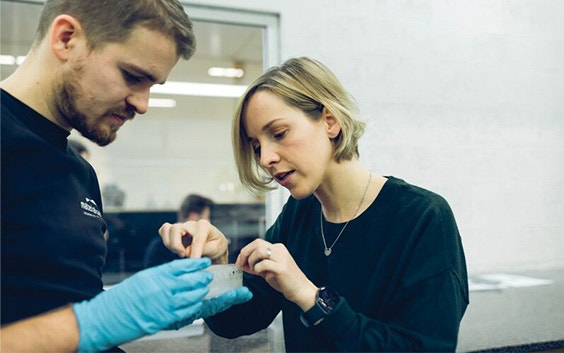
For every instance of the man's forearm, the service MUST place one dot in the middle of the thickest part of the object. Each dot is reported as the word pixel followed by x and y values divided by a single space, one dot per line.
pixel 55 331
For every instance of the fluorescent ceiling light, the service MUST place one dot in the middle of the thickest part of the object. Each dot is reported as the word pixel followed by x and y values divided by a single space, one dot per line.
pixel 11 60
pixel 7 60
pixel 226 72
pixel 162 103
pixel 200 89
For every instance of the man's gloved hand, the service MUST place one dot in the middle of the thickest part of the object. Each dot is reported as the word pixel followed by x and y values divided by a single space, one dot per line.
pixel 145 303
pixel 218 304
pixel 223 302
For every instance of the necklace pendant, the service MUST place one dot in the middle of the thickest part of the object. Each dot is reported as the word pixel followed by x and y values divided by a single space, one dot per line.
pixel 327 251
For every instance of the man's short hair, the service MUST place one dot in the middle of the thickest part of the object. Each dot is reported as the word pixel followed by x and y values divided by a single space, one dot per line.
pixel 193 203
pixel 113 21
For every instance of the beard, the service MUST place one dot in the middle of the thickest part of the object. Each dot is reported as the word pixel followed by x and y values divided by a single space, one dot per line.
pixel 67 93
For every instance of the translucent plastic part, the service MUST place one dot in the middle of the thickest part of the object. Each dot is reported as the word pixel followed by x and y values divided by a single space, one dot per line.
pixel 225 278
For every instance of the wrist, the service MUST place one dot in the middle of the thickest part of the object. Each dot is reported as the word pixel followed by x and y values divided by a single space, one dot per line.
pixel 305 298
pixel 326 301
pixel 89 334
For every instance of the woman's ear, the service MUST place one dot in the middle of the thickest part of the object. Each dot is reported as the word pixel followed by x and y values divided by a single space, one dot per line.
pixel 333 125
pixel 65 33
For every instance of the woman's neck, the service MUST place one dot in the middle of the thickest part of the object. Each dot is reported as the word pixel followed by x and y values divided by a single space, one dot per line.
pixel 347 190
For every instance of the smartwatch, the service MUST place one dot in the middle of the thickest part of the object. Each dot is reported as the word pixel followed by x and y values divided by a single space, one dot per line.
pixel 326 300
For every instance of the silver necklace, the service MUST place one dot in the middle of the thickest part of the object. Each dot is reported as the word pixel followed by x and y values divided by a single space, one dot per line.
pixel 329 249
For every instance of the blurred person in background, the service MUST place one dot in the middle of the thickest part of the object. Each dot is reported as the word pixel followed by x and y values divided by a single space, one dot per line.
pixel 194 207
pixel 80 148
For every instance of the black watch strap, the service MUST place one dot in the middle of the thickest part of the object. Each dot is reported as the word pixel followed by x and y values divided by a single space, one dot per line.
pixel 326 300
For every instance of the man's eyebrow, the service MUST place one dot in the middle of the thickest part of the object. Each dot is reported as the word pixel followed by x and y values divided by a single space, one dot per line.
pixel 141 72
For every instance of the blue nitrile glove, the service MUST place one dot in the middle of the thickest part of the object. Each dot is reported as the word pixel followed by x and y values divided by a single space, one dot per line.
pixel 218 304
pixel 143 304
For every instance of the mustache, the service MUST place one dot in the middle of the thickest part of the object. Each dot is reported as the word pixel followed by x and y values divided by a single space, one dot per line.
pixel 127 113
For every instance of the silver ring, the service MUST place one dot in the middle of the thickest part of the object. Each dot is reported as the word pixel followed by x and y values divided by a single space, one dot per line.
pixel 268 252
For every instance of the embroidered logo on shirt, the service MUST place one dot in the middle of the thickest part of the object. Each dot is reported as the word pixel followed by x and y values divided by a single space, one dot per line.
pixel 90 208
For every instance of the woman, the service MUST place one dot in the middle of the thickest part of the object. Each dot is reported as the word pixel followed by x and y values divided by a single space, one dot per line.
pixel 355 261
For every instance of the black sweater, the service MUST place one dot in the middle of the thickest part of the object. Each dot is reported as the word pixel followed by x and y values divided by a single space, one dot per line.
pixel 399 266
pixel 53 246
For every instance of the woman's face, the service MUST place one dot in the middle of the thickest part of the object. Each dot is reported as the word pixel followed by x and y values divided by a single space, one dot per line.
pixel 295 149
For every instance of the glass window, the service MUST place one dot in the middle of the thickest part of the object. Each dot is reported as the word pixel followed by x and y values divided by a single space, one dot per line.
pixel 183 144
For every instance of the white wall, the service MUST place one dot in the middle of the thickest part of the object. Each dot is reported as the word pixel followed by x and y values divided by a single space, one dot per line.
pixel 462 97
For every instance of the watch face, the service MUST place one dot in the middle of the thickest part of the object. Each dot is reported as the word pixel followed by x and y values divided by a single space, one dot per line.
pixel 325 301
pixel 328 298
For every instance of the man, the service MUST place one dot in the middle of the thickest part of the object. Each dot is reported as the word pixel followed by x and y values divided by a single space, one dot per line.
pixel 80 148
pixel 90 68
pixel 194 207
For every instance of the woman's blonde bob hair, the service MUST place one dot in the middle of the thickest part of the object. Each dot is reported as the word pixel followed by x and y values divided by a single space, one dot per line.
pixel 310 86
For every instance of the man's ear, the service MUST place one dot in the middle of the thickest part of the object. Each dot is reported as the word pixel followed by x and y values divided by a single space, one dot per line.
pixel 65 33
pixel 333 125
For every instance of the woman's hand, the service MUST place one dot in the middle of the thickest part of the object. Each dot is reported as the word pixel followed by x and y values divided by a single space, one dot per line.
pixel 195 239
pixel 274 263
